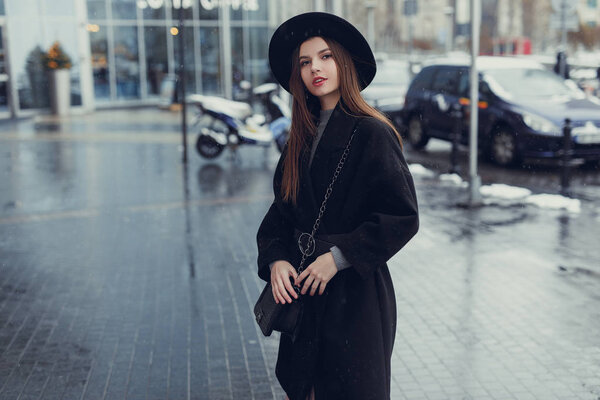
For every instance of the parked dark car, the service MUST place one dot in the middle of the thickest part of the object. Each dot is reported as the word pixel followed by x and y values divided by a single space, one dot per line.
pixel 522 109
pixel 387 91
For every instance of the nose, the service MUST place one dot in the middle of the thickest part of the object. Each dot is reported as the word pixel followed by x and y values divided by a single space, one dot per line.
pixel 315 66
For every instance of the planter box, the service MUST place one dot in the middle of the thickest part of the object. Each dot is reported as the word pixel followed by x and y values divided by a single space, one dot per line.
pixel 60 91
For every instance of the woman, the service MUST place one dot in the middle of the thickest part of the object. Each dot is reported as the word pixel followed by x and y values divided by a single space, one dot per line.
pixel 344 343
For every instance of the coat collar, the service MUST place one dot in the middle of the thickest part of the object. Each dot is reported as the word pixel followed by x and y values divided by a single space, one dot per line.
pixel 314 181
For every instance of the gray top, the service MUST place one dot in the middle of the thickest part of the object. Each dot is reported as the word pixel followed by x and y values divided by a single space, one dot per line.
pixel 339 259
pixel 323 120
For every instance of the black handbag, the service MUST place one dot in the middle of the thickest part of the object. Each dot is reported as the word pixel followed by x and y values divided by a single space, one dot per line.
pixel 285 318
pixel 271 316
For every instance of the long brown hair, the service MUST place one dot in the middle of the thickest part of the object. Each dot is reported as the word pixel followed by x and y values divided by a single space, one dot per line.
pixel 305 109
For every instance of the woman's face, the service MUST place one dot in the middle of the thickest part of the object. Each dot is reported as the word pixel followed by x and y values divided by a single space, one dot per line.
pixel 319 71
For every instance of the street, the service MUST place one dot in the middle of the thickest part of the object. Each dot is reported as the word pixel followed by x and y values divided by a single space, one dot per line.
pixel 124 274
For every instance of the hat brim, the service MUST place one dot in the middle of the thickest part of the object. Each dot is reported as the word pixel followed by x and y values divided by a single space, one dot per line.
pixel 296 30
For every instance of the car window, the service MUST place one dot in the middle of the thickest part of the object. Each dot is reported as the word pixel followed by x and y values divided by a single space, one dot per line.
pixel 423 79
pixel 463 82
pixel 446 81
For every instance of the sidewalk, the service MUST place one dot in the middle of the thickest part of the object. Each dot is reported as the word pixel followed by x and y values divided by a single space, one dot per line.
pixel 125 275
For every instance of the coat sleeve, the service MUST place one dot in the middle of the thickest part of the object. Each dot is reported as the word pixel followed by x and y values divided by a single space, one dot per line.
pixel 273 238
pixel 275 231
pixel 392 218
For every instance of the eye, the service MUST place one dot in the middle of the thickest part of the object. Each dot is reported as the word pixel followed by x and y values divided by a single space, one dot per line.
pixel 303 63
pixel 326 56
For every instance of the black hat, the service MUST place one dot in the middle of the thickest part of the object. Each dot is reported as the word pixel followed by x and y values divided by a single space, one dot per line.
pixel 297 29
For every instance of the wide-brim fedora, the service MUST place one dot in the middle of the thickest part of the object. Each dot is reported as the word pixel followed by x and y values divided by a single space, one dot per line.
pixel 297 29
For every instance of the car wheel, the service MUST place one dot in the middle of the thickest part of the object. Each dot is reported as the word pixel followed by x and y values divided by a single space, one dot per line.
pixel 503 148
pixel 416 134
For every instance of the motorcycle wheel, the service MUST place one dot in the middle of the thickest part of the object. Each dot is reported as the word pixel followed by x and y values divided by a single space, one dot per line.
pixel 208 147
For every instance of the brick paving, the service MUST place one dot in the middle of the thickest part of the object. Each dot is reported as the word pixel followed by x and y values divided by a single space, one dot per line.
pixel 115 283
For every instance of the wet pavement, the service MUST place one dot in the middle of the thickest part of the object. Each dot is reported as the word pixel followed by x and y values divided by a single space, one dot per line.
pixel 125 275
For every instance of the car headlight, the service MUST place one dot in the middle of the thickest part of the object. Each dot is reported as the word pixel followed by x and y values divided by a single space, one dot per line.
pixel 541 124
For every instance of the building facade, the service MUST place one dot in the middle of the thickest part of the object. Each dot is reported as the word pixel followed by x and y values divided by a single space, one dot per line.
pixel 123 49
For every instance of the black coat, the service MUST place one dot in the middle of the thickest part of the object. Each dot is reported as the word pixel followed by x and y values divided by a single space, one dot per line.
pixel 345 344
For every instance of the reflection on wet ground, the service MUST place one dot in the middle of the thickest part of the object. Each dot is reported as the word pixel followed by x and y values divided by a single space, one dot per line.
pixel 125 274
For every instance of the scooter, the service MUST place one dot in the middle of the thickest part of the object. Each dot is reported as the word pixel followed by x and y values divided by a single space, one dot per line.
pixel 225 123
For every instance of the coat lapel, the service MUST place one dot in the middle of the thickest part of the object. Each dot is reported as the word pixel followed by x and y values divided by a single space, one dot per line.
pixel 314 181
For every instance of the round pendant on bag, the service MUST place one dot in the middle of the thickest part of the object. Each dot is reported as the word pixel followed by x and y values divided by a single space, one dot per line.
pixel 306 244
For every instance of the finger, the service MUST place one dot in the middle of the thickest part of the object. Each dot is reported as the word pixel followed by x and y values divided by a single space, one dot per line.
pixel 275 294
pixel 307 282
pixel 284 294
pixel 322 289
pixel 290 288
pixel 302 276
pixel 314 287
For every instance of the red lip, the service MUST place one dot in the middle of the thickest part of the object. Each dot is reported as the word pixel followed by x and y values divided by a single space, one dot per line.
pixel 318 81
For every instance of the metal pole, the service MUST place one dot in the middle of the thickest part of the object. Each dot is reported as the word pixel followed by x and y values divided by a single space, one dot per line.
pixel 370 5
pixel 474 179
pixel 457 115
pixel 182 85
pixel 563 26
pixel 449 11
pixel 565 176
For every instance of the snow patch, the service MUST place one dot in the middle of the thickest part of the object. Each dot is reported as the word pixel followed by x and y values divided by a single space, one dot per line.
pixel 453 178
pixel 504 192
pixel 499 193
pixel 555 202
pixel 419 170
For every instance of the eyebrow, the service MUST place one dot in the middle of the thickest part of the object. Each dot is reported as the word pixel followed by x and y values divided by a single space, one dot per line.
pixel 322 51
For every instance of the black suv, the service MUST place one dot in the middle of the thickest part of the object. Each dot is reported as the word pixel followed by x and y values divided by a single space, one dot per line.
pixel 522 109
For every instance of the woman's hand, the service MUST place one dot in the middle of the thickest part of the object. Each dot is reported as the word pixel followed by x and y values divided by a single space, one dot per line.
pixel 281 283
pixel 318 274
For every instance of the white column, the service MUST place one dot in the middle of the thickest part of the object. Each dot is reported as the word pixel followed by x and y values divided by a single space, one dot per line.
pixel 86 78
pixel 337 8
pixel 226 66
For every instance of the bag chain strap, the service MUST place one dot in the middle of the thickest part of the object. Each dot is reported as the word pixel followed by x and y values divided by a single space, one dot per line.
pixel 310 238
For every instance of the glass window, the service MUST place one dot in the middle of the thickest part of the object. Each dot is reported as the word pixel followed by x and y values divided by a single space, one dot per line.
pixel 153 9
pixel 208 9
pixel 23 8
pixel 96 9
pixel 2 57
pixel 100 69
pixel 124 9
pixel 28 73
pixel 258 64
pixel 446 81
pixel 260 14
pixel 157 64
pixel 237 61
pixel 126 62
pixel 190 71
pixel 60 8
pixel 211 61
pixel 464 82
pixel 236 10
pixel 3 87
pixel 423 79
pixel 187 9
pixel 2 12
